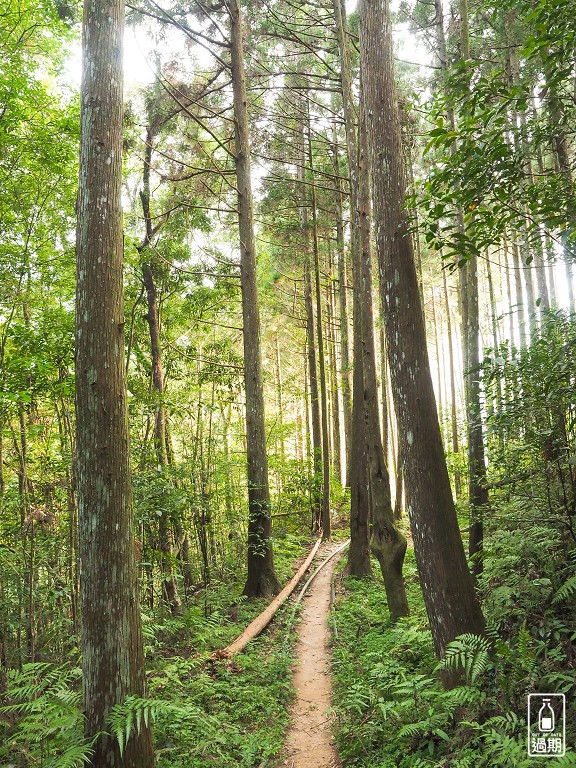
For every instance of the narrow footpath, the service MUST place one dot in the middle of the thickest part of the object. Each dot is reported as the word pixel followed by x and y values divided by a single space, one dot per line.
pixel 309 742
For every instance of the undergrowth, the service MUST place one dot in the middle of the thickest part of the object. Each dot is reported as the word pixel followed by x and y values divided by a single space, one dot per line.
pixel 391 709
pixel 204 714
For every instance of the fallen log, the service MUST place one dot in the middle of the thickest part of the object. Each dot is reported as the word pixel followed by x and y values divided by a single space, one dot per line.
pixel 261 622
pixel 340 549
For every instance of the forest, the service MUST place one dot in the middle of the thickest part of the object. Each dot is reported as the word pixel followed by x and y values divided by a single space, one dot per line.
pixel 287 384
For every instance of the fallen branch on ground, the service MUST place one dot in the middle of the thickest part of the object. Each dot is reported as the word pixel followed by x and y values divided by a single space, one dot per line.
pixel 261 622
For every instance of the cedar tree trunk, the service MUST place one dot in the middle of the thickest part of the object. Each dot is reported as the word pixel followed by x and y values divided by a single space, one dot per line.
pixel 448 588
pixel 111 640
pixel 261 580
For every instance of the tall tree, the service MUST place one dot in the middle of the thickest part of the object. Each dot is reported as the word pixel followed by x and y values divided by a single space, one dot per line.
pixel 261 580
pixel 169 590
pixel 321 348
pixel 386 542
pixel 358 475
pixel 451 602
pixel 111 640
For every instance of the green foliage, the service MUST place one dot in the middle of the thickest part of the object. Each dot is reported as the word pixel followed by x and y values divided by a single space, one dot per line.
pixel 566 591
pixel 214 714
pixel 45 705
pixel 391 707
pixel 203 714
pixel 485 127
pixel 468 654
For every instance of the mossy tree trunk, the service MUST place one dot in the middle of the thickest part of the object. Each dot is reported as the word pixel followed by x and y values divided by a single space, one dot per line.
pixel 111 640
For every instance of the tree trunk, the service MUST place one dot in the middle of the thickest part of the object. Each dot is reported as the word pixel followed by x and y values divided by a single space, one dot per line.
pixel 169 591
pixel 351 149
pixel 313 376
pixel 261 580
pixel 334 389
pixel 280 446
pixel 359 550
pixel 477 490
pixel 343 311
pixel 387 543
pixel 448 588
pixel 321 358
pixel 111 640
pixel 440 400
pixel 453 403
pixel 521 308
pixel 507 284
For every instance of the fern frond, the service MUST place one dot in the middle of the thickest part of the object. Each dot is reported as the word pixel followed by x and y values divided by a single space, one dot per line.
pixel 566 591
pixel 127 718
pixel 469 653
pixel 76 756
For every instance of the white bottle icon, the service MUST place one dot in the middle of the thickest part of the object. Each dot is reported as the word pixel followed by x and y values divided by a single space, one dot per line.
pixel 546 717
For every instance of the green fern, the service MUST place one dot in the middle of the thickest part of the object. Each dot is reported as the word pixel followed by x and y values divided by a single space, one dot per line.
pixel 128 718
pixel 469 653
pixel 46 700
pixel 505 750
pixel 76 756
pixel 566 591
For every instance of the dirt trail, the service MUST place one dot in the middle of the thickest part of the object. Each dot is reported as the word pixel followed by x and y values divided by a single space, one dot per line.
pixel 309 742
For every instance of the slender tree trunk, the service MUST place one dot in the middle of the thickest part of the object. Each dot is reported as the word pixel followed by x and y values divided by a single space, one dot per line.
pixel 440 401
pixel 335 391
pixel 351 150
pixel 169 591
pixel 448 588
pixel 492 304
pixel 453 397
pixel 384 395
pixel 280 408
pixel 359 550
pixel 343 311
pixel 505 266
pixel 547 253
pixel 111 640
pixel 261 580
pixel 321 358
pixel 477 490
pixel 494 324
pixel 521 308
pixel 313 378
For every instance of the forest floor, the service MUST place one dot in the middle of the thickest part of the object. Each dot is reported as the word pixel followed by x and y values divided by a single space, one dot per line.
pixel 309 740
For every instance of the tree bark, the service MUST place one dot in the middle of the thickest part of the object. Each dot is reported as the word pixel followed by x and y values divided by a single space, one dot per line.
pixel 313 376
pixel 169 590
pixel 359 551
pixel 451 602
pixel 343 311
pixel 111 640
pixel 387 544
pixel 477 491
pixel 477 486
pixel 521 308
pixel 321 357
pixel 334 388
pixel 453 403
pixel 261 579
